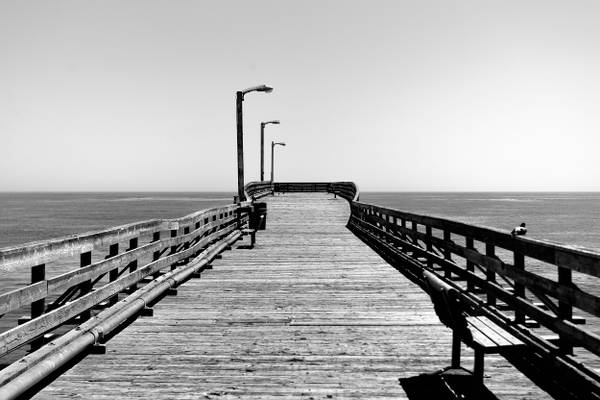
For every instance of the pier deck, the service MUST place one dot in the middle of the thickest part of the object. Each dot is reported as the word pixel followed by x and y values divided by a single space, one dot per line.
pixel 310 312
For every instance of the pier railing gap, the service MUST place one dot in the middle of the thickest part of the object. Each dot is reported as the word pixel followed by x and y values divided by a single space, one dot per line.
pixel 525 286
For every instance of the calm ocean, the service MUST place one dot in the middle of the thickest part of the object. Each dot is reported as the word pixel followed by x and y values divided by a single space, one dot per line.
pixel 572 218
pixel 26 217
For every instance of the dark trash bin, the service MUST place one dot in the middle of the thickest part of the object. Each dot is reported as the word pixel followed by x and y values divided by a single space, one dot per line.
pixel 258 217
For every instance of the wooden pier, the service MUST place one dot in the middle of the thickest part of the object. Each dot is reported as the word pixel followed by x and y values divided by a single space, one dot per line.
pixel 313 310
pixel 310 311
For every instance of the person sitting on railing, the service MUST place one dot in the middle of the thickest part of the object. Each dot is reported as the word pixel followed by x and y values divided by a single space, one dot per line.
pixel 519 230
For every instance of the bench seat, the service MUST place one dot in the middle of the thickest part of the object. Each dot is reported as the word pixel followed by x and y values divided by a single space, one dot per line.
pixel 489 337
pixel 478 332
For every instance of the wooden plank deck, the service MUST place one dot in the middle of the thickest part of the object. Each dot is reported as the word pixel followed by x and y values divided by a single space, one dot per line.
pixel 310 312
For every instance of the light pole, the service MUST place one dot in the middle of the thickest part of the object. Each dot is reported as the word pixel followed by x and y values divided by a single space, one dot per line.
pixel 262 147
pixel 273 144
pixel 240 132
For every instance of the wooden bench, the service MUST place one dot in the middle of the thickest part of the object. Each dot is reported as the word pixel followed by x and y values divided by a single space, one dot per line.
pixel 477 332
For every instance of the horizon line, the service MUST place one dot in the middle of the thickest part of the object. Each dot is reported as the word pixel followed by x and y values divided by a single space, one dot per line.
pixel 361 191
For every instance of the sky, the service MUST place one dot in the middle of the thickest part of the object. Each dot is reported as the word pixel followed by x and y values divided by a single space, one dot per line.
pixel 394 95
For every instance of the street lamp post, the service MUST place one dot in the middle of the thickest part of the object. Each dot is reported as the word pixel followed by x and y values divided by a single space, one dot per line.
pixel 240 137
pixel 273 144
pixel 262 147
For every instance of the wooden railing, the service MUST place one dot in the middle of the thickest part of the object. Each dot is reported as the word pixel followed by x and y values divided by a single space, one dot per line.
pixel 346 190
pixel 519 283
pixel 110 262
pixel 256 190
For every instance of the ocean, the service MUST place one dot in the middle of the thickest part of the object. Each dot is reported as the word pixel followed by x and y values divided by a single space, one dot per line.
pixel 26 217
pixel 565 217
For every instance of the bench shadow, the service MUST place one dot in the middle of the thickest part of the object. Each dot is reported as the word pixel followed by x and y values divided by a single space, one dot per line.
pixel 447 384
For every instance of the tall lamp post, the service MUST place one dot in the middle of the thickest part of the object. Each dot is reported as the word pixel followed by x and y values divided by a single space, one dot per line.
pixel 262 147
pixel 240 132
pixel 273 144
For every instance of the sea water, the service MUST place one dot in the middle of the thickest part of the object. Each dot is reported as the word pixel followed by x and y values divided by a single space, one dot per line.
pixel 26 217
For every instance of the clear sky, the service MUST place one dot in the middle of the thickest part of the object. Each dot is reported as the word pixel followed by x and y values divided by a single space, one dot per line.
pixel 394 95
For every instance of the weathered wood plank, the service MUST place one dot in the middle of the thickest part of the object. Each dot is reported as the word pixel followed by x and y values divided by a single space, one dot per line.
pixel 19 297
pixel 492 334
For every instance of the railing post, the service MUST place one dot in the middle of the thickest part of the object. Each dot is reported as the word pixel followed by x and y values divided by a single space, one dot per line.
pixel 447 252
pixel 85 259
pixel 469 244
pixel 38 274
pixel 565 310
pixel 113 274
pixel 490 275
pixel 173 248
pixel 404 235
pixel 156 254
pixel 395 231
pixel 378 223
pixel 429 246
pixel 187 244
pixel 133 244
pixel 414 237
pixel 519 262
pixel 386 228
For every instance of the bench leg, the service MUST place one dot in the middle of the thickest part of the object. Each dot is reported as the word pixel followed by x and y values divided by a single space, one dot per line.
pixel 252 239
pixel 455 350
pixel 478 366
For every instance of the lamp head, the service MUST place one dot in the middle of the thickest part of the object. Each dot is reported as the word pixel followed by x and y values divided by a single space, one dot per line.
pixel 261 88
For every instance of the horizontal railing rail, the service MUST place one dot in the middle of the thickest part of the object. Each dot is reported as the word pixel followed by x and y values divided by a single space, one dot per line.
pixel 69 296
pixel 52 249
pixel 256 190
pixel 346 190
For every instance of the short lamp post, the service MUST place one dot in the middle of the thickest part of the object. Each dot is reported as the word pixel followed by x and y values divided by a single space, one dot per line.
pixel 240 133
pixel 273 144
pixel 262 147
